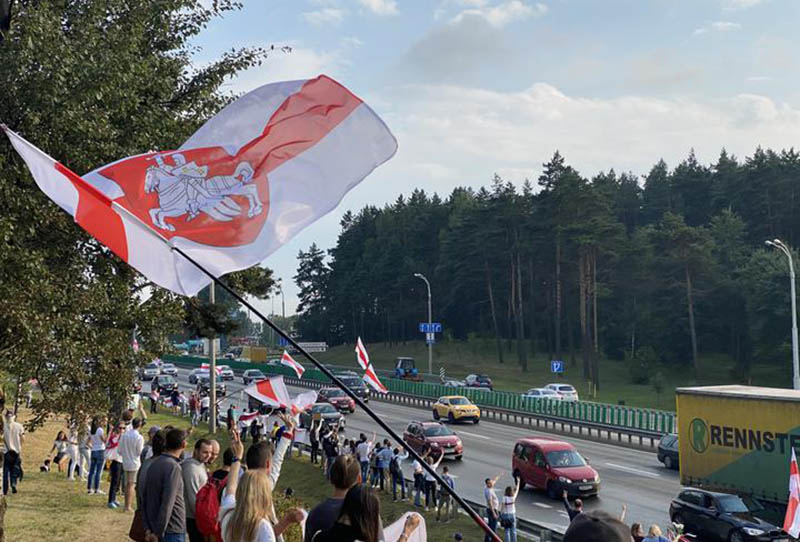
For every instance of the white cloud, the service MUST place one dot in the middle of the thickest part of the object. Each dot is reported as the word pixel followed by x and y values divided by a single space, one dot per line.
pixel 380 7
pixel 718 26
pixel 502 14
pixel 352 41
pixel 324 16
pixel 741 4
pixel 758 78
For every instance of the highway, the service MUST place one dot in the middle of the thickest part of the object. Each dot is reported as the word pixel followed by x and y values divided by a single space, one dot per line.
pixel 631 477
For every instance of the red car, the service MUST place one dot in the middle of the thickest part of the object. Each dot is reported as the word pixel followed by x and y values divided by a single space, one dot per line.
pixel 554 466
pixel 434 436
pixel 337 398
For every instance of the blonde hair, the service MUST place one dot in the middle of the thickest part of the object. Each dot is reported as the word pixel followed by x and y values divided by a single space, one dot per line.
pixel 253 503
pixel 655 530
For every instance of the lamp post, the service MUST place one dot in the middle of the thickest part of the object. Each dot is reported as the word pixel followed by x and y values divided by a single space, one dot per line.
pixel 777 243
pixel 430 321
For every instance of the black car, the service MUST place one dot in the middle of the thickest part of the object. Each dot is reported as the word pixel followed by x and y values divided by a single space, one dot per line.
pixel 204 385
pixel 668 451
pixel 356 385
pixel 163 383
pixel 722 516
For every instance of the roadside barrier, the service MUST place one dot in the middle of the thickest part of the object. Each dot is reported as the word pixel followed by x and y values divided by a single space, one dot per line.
pixel 631 426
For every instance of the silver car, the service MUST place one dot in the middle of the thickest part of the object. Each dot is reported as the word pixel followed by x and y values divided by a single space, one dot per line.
pixel 195 375
pixel 169 369
pixel 567 392
pixel 149 372
pixel 225 372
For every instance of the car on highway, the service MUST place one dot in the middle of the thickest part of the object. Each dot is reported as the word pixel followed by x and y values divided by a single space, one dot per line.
pixel 542 393
pixel 567 392
pixel 149 371
pixel 204 385
pixel 195 374
pixel 478 381
pixel 454 383
pixel 163 383
pixel 668 451
pixel 252 375
pixel 357 386
pixel 554 466
pixel 169 369
pixel 225 372
pixel 722 516
pixel 327 411
pixel 436 437
pixel 456 408
pixel 337 398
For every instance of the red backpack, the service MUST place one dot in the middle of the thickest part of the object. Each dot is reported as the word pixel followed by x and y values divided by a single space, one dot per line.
pixel 206 511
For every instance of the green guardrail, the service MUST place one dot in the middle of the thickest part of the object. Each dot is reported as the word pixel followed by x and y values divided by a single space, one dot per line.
pixel 643 419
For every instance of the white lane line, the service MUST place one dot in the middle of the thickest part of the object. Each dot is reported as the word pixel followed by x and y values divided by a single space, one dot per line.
pixel 484 437
pixel 542 505
pixel 634 471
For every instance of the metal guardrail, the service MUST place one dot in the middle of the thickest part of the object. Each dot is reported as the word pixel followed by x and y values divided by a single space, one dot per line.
pixel 640 428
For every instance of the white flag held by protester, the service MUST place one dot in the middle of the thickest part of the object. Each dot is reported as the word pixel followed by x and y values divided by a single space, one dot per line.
pixel 791 523
pixel 303 402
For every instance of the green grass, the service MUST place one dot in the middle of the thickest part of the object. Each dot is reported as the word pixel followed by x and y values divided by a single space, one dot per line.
pixel 460 358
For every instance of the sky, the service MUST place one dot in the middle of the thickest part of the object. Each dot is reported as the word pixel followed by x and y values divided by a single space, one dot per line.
pixel 471 88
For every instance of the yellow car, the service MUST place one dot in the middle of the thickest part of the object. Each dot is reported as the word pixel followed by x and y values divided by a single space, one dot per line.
pixel 456 408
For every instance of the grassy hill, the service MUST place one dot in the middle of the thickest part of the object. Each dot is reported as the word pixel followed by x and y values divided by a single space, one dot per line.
pixel 460 358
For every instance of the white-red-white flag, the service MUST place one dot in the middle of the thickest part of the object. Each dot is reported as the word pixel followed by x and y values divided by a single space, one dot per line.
pixel 361 354
pixel 246 419
pixel 289 361
pixel 262 169
pixel 303 402
pixel 272 392
pixel 371 378
pixel 207 367
pixel 791 522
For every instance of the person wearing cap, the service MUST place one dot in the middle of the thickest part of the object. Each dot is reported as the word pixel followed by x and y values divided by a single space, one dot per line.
pixel 597 526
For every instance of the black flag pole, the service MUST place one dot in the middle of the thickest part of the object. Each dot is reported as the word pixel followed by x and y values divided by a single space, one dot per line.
pixel 467 508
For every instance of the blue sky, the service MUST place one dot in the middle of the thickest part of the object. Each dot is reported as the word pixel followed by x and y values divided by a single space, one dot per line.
pixel 476 87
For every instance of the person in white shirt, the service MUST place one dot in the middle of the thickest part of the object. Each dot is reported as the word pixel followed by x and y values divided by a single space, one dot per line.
pixel 492 506
pixel 362 452
pixel 508 512
pixel 84 451
pixel 254 520
pixel 205 404
pixel 130 448
pixel 97 443
pixel 13 437
pixel 72 451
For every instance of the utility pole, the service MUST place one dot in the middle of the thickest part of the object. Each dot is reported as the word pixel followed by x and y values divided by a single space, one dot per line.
pixel 212 377
pixel 777 243
pixel 430 321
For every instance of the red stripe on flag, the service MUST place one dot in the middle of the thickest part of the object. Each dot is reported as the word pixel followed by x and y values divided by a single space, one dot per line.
pixel 95 215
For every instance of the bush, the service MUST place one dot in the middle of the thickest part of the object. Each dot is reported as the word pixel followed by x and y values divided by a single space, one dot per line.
pixel 641 365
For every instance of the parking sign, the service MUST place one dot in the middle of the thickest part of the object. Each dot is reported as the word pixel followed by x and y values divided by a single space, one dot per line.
pixel 556 366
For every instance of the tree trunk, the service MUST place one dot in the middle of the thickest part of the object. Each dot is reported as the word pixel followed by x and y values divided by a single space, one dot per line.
pixel 494 311
pixel 558 298
pixel 522 352
pixel 532 310
pixel 692 332
pixel 548 299
pixel 570 327
pixel 595 349
pixel 582 294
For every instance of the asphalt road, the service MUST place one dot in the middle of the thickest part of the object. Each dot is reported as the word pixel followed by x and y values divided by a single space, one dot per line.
pixel 631 477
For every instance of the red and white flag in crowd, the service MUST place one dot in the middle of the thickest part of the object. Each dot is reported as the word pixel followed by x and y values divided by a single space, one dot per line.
pixel 303 402
pixel 361 354
pixel 135 344
pixel 246 419
pixel 272 392
pixel 289 361
pixel 207 367
pixel 791 523
pixel 371 378
pixel 266 166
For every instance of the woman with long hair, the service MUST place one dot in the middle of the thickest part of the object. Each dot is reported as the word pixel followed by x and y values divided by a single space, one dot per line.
pixel 360 519
pixel 115 463
pixel 97 443
pixel 60 446
pixel 508 512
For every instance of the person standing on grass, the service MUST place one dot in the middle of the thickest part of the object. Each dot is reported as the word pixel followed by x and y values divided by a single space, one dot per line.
pixel 362 451
pixel 508 512
pixel 445 499
pixel 195 476
pixel 384 459
pixel 313 439
pixel 13 438
pixel 205 404
pixel 154 400
pixel 396 470
pixel 60 448
pixel 130 448
pixel 164 513
pixel 330 445
pixel 97 444
pixel 84 451
pixel 492 506
pixel 158 441
pixel 430 482
pixel 115 464
pixel 419 479
pixel 72 451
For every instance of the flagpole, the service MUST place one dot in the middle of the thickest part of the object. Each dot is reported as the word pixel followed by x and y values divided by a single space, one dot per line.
pixel 467 508
pixel 212 423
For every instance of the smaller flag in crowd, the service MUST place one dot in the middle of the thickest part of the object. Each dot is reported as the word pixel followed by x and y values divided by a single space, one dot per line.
pixel 791 523
pixel 289 361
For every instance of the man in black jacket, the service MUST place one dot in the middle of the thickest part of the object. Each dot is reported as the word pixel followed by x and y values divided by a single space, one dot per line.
pixel 164 511
pixel 573 511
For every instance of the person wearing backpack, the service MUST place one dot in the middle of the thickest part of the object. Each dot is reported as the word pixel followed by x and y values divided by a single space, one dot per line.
pixel 209 498
pixel 397 474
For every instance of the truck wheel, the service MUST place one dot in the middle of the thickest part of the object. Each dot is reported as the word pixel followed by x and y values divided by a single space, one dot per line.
pixel 435 414
pixel 668 462
pixel 552 490
pixel 735 536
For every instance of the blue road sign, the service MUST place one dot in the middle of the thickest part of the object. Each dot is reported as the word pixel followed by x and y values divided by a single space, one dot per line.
pixel 556 366
pixel 430 338
pixel 425 327
pixel 282 342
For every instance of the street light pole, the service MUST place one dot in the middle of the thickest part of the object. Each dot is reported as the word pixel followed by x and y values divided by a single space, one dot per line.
pixel 777 243
pixel 430 321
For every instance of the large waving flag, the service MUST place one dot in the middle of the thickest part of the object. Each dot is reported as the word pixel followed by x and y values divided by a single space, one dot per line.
pixel 254 175
pixel 303 402
pixel 791 523
pixel 289 361
pixel 361 354
pixel 371 378
pixel 272 392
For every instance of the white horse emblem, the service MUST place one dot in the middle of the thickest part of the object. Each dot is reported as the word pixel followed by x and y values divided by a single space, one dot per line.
pixel 184 190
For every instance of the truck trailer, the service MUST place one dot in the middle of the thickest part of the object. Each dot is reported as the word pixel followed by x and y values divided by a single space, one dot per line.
pixel 739 439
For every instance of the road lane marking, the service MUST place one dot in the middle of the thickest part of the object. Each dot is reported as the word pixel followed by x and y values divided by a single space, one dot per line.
pixel 484 437
pixel 634 471
pixel 542 505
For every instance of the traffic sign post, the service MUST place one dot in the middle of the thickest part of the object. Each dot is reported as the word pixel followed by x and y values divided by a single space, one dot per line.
pixel 557 366
pixel 433 327
pixel 282 342
pixel 430 338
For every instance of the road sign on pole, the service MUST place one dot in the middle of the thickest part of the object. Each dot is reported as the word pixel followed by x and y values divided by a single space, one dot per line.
pixel 433 327
pixel 430 337
pixel 556 366
pixel 282 342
